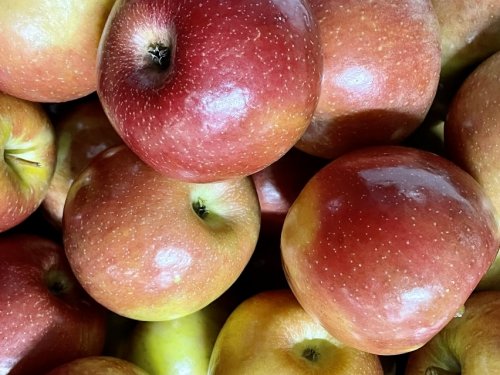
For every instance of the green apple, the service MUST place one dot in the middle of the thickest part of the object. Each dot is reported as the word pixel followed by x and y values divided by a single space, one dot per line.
pixel 29 154
pixel 270 333
pixel 179 346
pixel 469 344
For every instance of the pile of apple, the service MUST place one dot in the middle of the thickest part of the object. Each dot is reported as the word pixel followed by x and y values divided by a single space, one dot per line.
pixel 250 187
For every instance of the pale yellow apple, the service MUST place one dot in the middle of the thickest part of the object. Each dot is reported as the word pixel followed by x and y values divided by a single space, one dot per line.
pixel 270 333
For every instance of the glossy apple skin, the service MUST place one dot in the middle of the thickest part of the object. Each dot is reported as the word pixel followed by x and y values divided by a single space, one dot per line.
pixel 137 245
pixel 270 333
pixel 471 137
pixel 385 244
pixel 279 184
pixel 380 73
pixel 81 134
pixel 470 33
pixel 468 344
pixel 48 48
pixel 98 365
pixel 27 143
pixel 239 91
pixel 46 319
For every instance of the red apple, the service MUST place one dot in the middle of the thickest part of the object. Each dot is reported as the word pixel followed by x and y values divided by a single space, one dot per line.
pixel 380 73
pixel 279 184
pixel 153 248
pixel 48 48
pixel 98 365
pixel 467 345
pixel 46 319
pixel 385 244
pixel 81 134
pixel 208 90
pixel 27 143
pixel 270 333
pixel 472 137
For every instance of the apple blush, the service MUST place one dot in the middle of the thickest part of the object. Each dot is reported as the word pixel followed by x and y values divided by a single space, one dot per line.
pixel 385 244
pixel 205 91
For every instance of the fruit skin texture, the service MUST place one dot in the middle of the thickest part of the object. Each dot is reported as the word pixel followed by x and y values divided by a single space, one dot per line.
pixel 468 344
pixel 236 91
pixel 46 319
pixel 27 143
pixel 139 245
pixel 81 134
pixel 385 244
pixel 98 365
pixel 48 48
pixel 381 63
pixel 271 333
pixel 472 141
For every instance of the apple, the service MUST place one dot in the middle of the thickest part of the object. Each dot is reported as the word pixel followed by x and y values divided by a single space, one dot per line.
pixel 46 318
pixel 97 365
pixel 467 345
pixel 381 69
pixel 81 134
pixel 270 333
pixel 470 33
pixel 205 91
pixel 384 245
pixel 29 155
pixel 177 346
pixel 48 48
pixel 153 248
pixel 279 184
pixel 472 141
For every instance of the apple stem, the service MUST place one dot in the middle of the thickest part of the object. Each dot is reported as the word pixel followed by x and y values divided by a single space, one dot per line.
pixel 15 158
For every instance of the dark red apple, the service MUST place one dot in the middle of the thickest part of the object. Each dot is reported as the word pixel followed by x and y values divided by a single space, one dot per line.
pixel 46 318
pixel 153 248
pixel 385 244
pixel 207 90
pixel 380 73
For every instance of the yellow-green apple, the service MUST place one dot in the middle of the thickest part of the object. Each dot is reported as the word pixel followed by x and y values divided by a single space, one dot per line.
pixel 467 345
pixel 280 183
pixel 153 248
pixel 270 333
pixel 471 137
pixel 27 142
pixel 97 365
pixel 178 346
pixel 46 318
pixel 81 134
pixel 380 73
pixel 470 33
pixel 48 48
pixel 205 90
pixel 384 245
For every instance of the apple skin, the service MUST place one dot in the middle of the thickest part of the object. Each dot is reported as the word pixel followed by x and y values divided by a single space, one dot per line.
pixel 271 333
pixel 48 48
pixel 27 142
pixel 98 365
pixel 236 90
pixel 380 73
pixel 385 244
pixel 279 184
pixel 471 138
pixel 467 345
pixel 81 134
pixel 46 319
pixel 153 248
pixel 177 346
pixel 470 33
